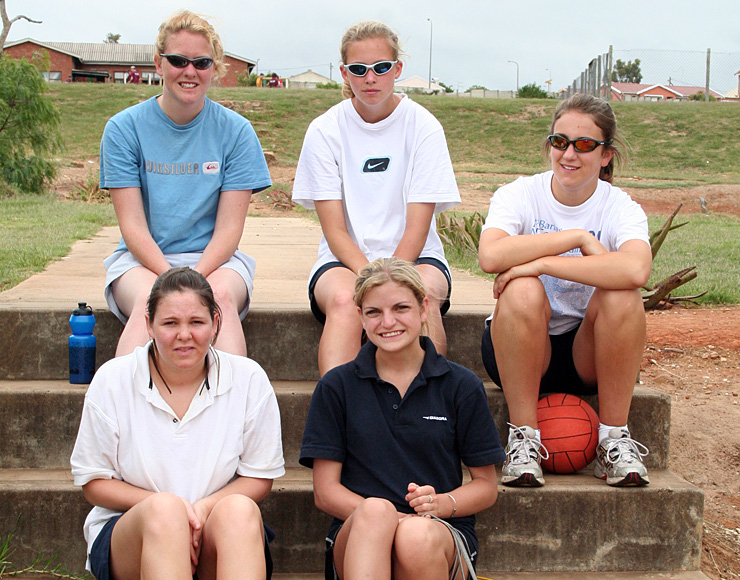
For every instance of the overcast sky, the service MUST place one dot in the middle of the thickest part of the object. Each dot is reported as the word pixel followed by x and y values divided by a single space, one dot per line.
pixel 472 40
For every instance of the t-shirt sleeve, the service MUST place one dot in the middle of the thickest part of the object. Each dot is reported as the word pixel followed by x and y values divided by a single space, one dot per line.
pixel 262 454
pixel 631 224
pixel 507 209
pixel 95 454
pixel 432 175
pixel 477 438
pixel 318 176
pixel 324 436
pixel 245 166
pixel 120 156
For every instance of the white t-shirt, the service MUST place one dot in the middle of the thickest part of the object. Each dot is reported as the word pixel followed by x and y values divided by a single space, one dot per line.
pixel 528 206
pixel 376 169
pixel 129 432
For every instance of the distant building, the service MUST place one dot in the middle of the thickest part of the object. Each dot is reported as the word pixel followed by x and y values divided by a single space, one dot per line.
pixel 107 62
pixel 418 85
pixel 656 92
pixel 309 80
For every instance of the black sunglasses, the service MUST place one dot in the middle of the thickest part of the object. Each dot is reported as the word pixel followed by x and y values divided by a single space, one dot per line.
pixel 180 61
pixel 379 68
pixel 582 144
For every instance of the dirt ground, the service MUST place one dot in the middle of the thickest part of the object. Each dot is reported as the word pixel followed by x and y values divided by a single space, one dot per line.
pixel 692 354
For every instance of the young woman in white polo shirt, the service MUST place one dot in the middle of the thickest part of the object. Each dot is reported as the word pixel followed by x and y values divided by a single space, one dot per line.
pixel 376 168
pixel 177 444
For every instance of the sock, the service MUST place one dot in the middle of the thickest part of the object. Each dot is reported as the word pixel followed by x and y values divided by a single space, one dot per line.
pixel 512 432
pixel 604 430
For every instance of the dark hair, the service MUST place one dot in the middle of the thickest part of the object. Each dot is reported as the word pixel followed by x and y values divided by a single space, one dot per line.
pixel 603 116
pixel 183 280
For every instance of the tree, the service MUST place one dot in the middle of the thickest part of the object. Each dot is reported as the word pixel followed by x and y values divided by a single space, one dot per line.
pixel 8 22
pixel 29 126
pixel 476 88
pixel 111 38
pixel 531 91
pixel 628 72
pixel 447 88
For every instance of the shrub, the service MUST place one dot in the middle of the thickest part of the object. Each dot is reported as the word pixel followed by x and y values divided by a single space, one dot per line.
pixel 531 91
pixel 29 127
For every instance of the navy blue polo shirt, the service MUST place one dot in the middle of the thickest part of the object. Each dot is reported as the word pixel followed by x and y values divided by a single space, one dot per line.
pixel 384 442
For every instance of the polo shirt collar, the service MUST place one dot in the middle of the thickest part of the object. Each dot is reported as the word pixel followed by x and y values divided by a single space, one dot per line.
pixel 434 364
pixel 219 372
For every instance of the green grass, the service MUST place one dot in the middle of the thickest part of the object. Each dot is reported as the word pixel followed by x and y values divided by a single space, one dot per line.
pixel 671 146
pixel 712 244
pixel 39 229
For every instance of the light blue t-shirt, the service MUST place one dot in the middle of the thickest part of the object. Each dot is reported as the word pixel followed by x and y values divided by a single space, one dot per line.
pixel 181 169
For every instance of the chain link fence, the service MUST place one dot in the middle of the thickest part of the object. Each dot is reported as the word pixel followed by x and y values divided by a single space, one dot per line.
pixel 681 74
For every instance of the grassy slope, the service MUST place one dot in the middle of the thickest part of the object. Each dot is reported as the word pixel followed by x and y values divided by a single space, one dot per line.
pixel 670 145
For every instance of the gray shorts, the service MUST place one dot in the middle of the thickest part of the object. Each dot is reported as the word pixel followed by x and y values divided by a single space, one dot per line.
pixel 121 261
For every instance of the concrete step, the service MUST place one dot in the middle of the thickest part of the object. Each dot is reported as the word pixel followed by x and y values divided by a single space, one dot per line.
pixel 283 340
pixel 574 524
pixel 39 420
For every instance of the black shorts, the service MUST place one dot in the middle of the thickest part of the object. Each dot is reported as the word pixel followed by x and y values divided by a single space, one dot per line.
pixel 100 553
pixel 321 317
pixel 561 376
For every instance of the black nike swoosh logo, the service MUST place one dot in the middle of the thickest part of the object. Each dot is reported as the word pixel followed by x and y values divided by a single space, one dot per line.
pixel 376 165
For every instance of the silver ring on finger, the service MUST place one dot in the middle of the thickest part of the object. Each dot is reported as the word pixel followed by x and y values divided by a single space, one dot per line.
pixel 431 499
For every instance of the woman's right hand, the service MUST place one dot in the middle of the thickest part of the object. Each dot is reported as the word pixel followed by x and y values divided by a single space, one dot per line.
pixel 591 246
pixel 196 531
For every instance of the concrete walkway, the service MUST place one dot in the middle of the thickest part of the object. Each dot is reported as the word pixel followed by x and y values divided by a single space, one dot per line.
pixel 285 249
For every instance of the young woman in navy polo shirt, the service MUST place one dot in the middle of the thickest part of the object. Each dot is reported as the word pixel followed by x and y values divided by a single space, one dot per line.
pixel 385 436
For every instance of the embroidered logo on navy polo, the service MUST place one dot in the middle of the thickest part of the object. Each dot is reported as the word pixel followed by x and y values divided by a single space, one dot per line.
pixel 376 165
pixel 434 418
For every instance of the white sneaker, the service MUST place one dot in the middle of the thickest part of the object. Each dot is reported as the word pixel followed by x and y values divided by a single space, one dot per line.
pixel 619 460
pixel 523 454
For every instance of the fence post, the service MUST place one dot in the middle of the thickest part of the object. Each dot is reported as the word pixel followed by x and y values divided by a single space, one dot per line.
pixel 609 75
pixel 706 90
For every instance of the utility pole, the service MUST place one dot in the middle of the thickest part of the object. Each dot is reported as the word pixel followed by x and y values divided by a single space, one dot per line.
pixel 517 74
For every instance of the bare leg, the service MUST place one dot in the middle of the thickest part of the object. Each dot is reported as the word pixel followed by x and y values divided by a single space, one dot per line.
pixel 608 350
pixel 231 296
pixel 233 541
pixel 522 346
pixel 423 548
pixel 436 285
pixel 131 292
pixel 340 340
pixel 363 545
pixel 152 540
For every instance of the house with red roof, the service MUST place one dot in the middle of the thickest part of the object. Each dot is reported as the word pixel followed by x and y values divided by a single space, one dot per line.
pixel 107 61
pixel 656 92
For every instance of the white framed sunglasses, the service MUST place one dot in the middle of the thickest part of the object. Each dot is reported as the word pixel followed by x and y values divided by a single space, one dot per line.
pixel 379 68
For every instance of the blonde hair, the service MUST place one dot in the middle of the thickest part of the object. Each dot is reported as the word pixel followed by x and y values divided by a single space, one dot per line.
pixel 197 24
pixel 384 270
pixel 364 31
pixel 603 116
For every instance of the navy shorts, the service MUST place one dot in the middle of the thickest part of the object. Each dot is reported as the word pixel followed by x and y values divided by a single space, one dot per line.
pixel 100 553
pixel 321 317
pixel 561 376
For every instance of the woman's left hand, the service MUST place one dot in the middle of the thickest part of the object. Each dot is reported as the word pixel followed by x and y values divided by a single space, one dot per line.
pixel 424 500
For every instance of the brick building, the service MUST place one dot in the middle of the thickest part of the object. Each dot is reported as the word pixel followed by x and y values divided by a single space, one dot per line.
pixel 107 62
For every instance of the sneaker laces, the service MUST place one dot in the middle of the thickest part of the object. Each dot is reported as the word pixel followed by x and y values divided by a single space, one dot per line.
pixel 523 448
pixel 625 449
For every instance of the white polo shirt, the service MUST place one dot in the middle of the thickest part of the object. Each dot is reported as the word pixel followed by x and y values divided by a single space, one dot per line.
pixel 129 432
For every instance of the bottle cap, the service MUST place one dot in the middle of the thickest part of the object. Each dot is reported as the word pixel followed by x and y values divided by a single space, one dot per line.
pixel 82 309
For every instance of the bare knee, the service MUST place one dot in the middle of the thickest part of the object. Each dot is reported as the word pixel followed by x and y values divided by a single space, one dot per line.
pixel 417 545
pixel 236 515
pixel 374 514
pixel 341 306
pixel 523 300
pixel 164 515
pixel 616 305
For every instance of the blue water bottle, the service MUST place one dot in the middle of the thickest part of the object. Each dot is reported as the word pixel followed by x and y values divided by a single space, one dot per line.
pixel 81 345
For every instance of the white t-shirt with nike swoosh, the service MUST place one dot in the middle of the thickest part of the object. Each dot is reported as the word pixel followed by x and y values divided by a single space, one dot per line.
pixel 376 169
